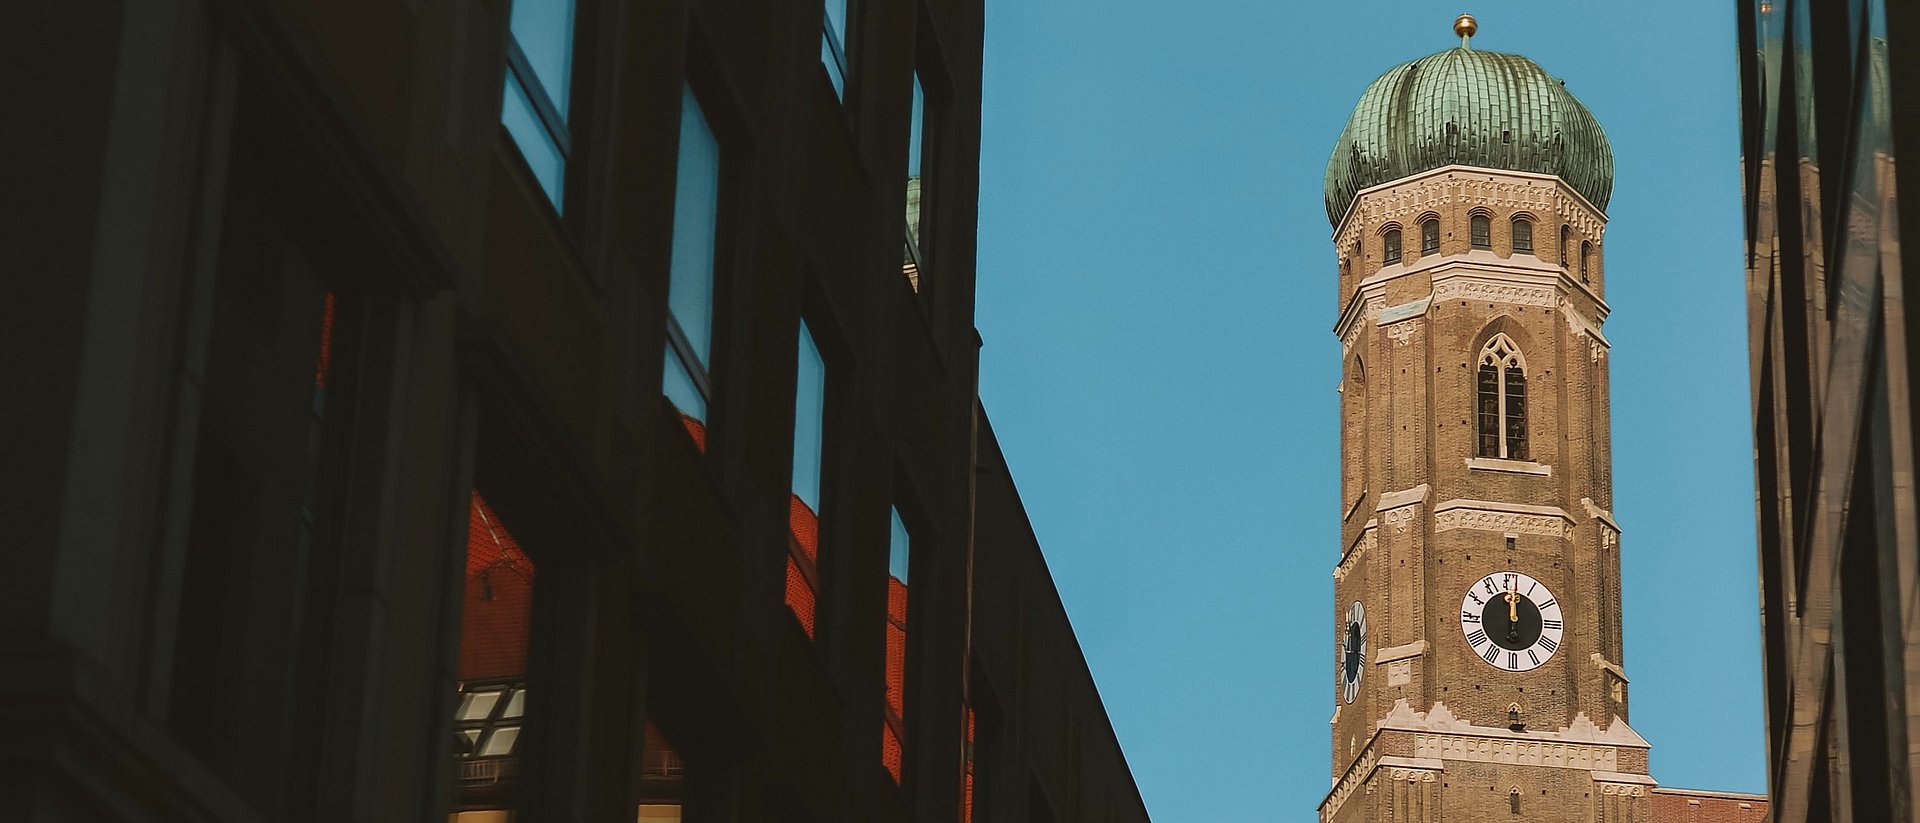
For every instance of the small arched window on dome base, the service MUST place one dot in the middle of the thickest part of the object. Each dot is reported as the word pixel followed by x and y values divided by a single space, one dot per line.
pixel 1429 236
pixel 1586 258
pixel 1566 245
pixel 1392 254
pixel 1481 228
pixel 1501 401
pixel 1522 235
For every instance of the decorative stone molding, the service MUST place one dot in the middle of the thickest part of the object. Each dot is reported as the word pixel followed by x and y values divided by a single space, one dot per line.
pixel 1401 518
pixel 1512 518
pixel 1610 666
pixel 1343 786
pixel 1549 754
pixel 1411 775
pixel 1364 309
pixel 1368 537
pixel 1624 790
pixel 1581 325
pixel 1408 197
pixel 1594 511
pixel 1402 332
pixel 1490 291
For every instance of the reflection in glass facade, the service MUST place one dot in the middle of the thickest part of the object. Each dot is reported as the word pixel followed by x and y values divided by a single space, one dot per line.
pixel 1832 384
pixel 538 84
pixel 696 231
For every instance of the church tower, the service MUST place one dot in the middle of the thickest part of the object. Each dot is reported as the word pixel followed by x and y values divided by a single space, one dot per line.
pixel 1477 621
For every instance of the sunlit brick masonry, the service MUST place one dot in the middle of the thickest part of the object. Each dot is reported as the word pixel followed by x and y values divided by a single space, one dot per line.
pixel 1477 632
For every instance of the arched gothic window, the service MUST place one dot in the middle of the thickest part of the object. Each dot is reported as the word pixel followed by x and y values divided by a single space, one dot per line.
pixel 1482 229
pixel 1430 237
pixel 1566 244
pixel 1393 247
pixel 1522 235
pixel 1586 254
pixel 1502 401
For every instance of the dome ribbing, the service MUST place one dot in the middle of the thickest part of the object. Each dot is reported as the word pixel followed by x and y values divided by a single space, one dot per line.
pixel 1468 107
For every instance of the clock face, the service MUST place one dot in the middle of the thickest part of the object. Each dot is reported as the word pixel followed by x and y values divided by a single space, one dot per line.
pixel 1512 621
pixel 1353 660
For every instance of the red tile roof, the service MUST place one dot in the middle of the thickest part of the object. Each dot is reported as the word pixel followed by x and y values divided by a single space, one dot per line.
pixel 497 607
pixel 803 559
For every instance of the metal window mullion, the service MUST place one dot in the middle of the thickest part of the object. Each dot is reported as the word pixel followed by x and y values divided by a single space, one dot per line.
pixel 1500 425
pixel 536 92
pixel 834 45
pixel 683 349
pixel 913 248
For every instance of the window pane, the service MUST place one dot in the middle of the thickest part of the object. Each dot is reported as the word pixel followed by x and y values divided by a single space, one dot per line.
pixel 680 389
pixel 478 705
pixel 543 155
pixel 696 217
pixel 897 548
pixel 1522 235
pixel 516 705
pixel 809 416
pixel 916 134
pixel 831 59
pixel 837 20
pixel 1482 230
pixel 500 742
pixel 544 31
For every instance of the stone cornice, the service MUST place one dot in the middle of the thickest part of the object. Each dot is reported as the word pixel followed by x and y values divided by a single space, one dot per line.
pixel 1487 515
pixel 1438 737
pixel 1365 540
pixel 1477 275
pixel 1411 195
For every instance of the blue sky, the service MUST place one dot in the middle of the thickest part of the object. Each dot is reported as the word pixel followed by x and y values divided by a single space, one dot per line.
pixel 1156 293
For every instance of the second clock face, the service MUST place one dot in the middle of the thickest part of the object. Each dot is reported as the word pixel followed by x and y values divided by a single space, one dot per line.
pixel 1512 621
pixel 1353 659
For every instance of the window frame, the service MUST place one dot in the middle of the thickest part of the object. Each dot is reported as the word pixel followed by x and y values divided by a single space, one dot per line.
pixel 679 345
pixel 836 53
pixel 809 569
pixel 1514 234
pixel 554 124
pixel 920 130
pixel 1480 230
pixel 1429 236
pixel 1501 359
pixel 1391 250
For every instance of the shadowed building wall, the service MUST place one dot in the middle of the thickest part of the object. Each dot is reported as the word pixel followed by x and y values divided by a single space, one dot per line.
pixel 534 410
pixel 1827 106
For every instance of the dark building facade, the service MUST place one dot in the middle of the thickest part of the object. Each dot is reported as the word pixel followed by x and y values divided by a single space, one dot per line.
pixel 1828 98
pixel 537 410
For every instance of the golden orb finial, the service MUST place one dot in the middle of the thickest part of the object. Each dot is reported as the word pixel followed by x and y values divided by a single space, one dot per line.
pixel 1465 26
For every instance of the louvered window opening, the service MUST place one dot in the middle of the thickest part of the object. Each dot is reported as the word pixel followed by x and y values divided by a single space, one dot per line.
pixel 1501 399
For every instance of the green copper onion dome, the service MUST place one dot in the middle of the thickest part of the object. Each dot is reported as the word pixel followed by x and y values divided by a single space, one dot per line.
pixel 1469 107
